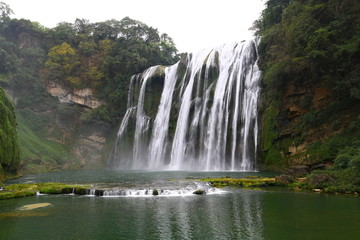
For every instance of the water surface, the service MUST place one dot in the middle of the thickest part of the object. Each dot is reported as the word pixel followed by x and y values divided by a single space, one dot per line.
pixel 235 214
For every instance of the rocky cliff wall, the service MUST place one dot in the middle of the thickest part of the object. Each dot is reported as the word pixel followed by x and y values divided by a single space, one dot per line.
pixel 83 97
pixel 305 115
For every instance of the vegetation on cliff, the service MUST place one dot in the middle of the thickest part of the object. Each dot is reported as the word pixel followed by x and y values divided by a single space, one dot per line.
pixel 98 56
pixel 9 149
pixel 310 58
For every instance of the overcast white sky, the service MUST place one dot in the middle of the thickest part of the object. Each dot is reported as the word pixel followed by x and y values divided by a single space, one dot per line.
pixel 193 24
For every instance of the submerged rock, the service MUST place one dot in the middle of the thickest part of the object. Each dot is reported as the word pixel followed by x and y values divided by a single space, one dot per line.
pixel 199 192
pixel 99 192
pixel 317 190
pixel 34 206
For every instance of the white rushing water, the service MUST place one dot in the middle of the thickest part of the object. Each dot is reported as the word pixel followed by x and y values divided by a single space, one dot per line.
pixel 189 190
pixel 206 116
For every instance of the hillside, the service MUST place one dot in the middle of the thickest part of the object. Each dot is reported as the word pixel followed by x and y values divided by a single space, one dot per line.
pixel 310 58
pixel 9 149
pixel 70 84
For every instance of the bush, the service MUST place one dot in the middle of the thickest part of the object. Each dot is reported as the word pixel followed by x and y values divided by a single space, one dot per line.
pixel 342 161
pixel 355 164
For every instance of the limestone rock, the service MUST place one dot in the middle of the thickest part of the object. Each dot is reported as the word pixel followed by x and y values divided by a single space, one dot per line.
pixel 320 166
pixel 83 97
pixel 284 179
pixel 320 179
pixel 297 171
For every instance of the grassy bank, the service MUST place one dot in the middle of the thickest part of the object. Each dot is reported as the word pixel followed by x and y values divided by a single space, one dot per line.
pixel 30 189
pixel 240 182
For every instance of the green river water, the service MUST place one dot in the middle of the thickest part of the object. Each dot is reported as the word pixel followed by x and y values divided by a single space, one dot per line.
pixel 227 214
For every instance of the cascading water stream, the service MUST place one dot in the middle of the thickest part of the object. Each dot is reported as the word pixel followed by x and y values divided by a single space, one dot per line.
pixel 180 144
pixel 158 141
pixel 142 123
pixel 203 118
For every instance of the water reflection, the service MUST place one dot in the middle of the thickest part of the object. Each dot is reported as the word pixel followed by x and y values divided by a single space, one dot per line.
pixel 230 216
pixel 240 214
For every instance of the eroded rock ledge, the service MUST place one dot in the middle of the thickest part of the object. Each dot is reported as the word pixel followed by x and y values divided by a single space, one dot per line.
pixel 83 97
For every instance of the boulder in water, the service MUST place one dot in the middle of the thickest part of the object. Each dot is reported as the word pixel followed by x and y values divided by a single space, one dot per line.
pixel 199 192
pixel 155 192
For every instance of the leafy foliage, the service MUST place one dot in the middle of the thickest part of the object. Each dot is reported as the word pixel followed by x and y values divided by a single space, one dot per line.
pixel 9 149
pixel 5 11
pixel 306 44
pixel 101 56
pixel 312 39
pixel 61 63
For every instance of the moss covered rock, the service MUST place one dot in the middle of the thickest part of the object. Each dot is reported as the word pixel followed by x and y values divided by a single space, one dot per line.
pixel 9 149
pixel 155 192
pixel 199 192
pixel 30 189
pixel 240 182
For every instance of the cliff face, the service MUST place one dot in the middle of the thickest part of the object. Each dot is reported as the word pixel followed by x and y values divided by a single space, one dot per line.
pixel 50 127
pixel 305 124
pixel 84 97
pixel 9 149
pixel 53 76
pixel 284 134
pixel 310 99
pixel 53 136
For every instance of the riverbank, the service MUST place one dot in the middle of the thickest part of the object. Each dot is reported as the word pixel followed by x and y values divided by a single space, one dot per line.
pixel 31 189
pixel 248 182
pixel 295 178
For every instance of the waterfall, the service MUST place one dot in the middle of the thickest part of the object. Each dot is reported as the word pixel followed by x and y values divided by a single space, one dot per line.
pixel 161 124
pixel 198 114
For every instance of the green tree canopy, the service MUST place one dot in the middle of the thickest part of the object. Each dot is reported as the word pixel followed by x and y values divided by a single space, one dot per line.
pixel 312 39
pixel 5 11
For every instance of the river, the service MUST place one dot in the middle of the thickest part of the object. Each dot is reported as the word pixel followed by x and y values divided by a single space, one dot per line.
pixel 272 213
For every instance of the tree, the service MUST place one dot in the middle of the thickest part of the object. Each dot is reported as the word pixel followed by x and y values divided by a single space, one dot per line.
pixel 83 26
pixel 61 64
pixel 5 11
pixel 168 48
pixel 63 32
pixel 109 29
pixel 136 30
pixel 312 40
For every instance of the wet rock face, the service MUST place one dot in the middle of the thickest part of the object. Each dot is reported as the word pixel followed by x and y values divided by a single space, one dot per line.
pixel 88 149
pixel 294 121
